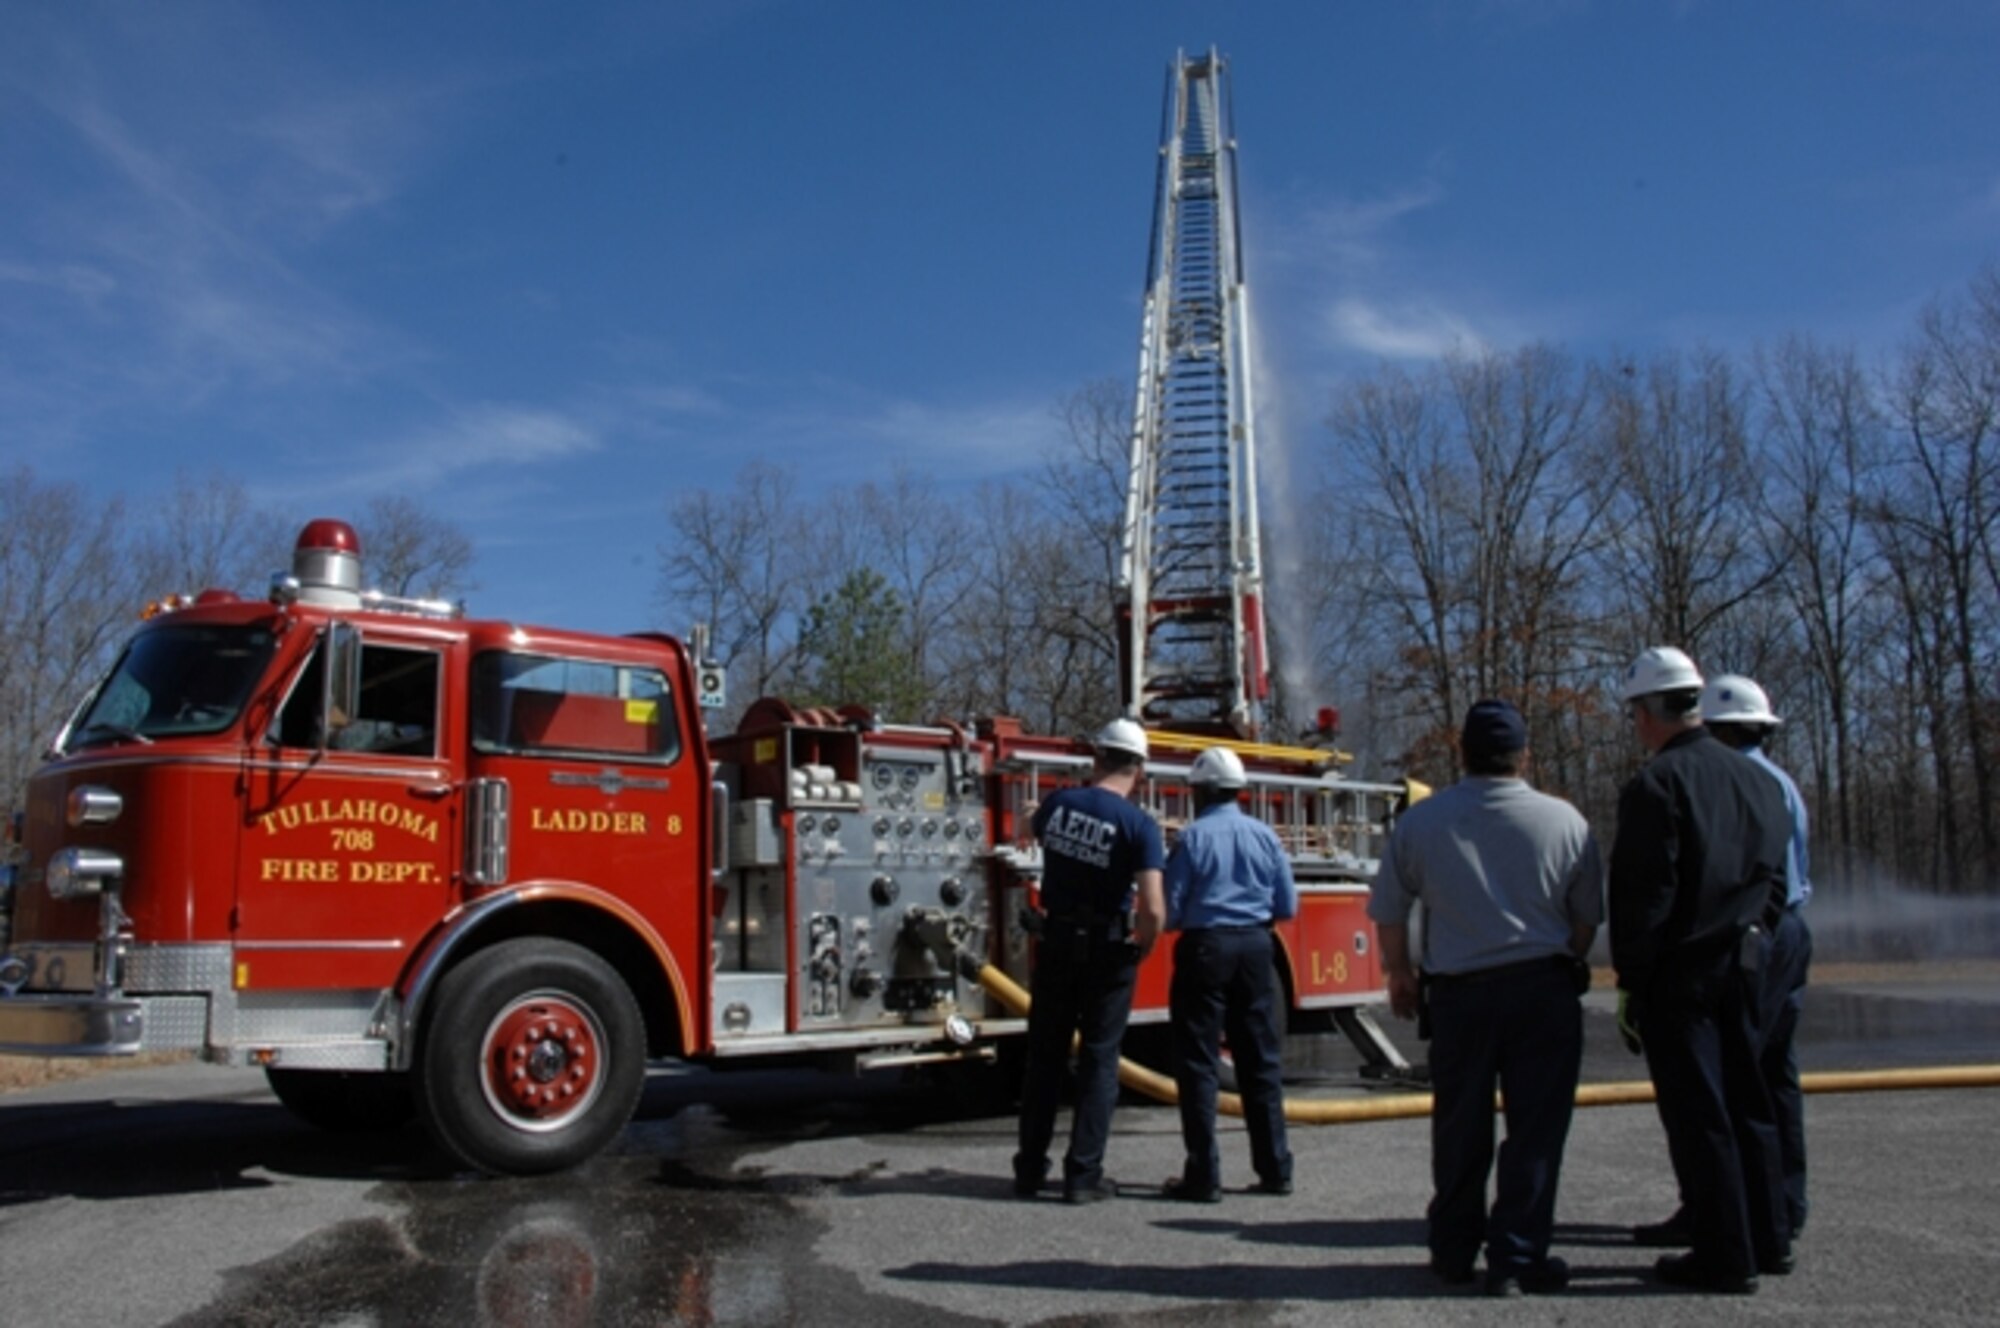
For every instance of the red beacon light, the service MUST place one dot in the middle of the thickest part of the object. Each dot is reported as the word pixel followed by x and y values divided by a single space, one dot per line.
pixel 326 567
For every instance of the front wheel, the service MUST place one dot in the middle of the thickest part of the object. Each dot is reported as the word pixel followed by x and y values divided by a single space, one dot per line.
pixel 533 1058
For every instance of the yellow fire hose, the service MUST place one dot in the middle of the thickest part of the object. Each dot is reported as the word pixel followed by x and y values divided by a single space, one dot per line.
pixel 1402 1106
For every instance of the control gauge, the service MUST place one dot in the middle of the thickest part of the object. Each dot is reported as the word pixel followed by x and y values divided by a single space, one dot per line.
pixel 910 777
pixel 884 776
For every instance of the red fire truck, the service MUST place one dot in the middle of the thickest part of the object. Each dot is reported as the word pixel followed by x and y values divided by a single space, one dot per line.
pixel 407 861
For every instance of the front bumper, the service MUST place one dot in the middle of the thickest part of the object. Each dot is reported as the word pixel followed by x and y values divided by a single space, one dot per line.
pixel 74 1025
pixel 52 1002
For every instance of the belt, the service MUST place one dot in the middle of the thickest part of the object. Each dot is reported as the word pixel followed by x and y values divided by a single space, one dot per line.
pixel 1081 924
pixel 1520 968
pixel 1081 921
pixel 1231 928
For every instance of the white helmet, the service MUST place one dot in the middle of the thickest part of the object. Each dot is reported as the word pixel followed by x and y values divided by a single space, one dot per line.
pixel 1218 767
pixel 1659 669
pixel 1732 698
pixel 1122 735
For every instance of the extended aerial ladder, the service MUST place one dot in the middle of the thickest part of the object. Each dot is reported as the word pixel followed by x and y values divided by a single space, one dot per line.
pixel 1190 571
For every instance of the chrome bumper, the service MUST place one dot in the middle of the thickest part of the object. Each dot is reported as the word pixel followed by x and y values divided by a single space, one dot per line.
pixel 66 1025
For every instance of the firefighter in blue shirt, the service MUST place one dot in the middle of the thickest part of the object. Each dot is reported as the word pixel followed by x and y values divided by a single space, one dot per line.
pixel 1227 881
pixel 1101 856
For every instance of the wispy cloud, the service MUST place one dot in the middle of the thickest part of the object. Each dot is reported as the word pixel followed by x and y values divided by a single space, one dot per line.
pixel 837 426
pixel 675 399
pixel 1354 234
pixel 76 280
pixel 181 298
pixel 499 445
pixel 175 255
pixel 477 436
pixel 970 438
pixel 1406 332
pixel 334 159
pixel 1356 277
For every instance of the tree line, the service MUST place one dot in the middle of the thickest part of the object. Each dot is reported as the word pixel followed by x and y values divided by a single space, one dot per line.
pixel 1514 523
pixel 1521 524
pixel 77 570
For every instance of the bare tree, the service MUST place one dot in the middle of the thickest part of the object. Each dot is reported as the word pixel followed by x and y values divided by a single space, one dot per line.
pixel 986 669
pixel 413 551
pixel 1820 445
pixel 1037 631
pixel 1673 461
pixel 735 563
pixel 919 545
pixel 1083 482
pixel 1935 519
pixel 1472 508
pixel 206 532
pixel 1402 486
pixel 68 595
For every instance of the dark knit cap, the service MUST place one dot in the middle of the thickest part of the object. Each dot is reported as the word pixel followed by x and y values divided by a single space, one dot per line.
pixel 1493 728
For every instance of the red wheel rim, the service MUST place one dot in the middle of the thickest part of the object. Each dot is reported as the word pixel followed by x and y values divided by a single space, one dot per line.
pixel 543 1061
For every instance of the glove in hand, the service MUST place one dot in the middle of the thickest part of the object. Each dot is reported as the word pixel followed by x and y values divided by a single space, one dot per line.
pixel 1628 1023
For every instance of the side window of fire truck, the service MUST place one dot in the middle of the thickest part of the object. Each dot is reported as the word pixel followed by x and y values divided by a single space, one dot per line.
pixel 544 706
pixel 398 712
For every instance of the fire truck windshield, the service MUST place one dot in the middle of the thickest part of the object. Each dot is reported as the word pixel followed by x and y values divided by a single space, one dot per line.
pixel 174 681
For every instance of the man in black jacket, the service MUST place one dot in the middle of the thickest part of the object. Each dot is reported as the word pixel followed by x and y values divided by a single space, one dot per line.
pixel 1697 879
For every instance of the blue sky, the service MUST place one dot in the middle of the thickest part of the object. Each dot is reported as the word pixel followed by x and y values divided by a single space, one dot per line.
pixel 539 266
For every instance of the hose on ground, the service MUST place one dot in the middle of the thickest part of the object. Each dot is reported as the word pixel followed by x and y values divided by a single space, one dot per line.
pixel 1403 1106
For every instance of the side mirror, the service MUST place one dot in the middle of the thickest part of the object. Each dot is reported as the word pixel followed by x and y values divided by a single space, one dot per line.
pixel 342 703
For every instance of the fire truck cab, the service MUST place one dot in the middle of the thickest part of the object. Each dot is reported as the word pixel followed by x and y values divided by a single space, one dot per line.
pixel 411 862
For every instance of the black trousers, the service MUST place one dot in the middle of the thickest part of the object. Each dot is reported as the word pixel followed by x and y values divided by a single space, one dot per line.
pixel 1702 1026
pixel 1784 1001
pixel 1521 1032
pixel 1082 988
pixel 1225 983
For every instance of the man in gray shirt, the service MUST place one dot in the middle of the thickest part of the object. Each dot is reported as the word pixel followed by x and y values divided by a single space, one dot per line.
pixel 1513 891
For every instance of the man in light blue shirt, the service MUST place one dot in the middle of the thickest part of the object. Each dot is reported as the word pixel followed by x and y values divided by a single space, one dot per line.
pixel 1227 881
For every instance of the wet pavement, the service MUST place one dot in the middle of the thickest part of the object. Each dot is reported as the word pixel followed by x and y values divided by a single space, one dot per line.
pixel 185 1195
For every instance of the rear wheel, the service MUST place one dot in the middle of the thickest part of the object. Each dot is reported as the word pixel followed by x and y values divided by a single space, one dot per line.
pixel 533 1058
pixel 343 1100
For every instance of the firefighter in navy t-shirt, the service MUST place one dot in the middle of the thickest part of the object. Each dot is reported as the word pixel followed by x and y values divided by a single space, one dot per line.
pixel 1099 851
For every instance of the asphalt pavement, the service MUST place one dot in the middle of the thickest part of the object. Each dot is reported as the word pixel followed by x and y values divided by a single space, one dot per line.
pixel 185 1195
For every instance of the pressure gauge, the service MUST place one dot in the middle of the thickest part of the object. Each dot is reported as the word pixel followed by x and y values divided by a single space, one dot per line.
pixel 884 776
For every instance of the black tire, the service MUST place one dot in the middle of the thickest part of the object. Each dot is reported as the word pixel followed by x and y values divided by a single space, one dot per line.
pixel 532 1059
pixel 345 1101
